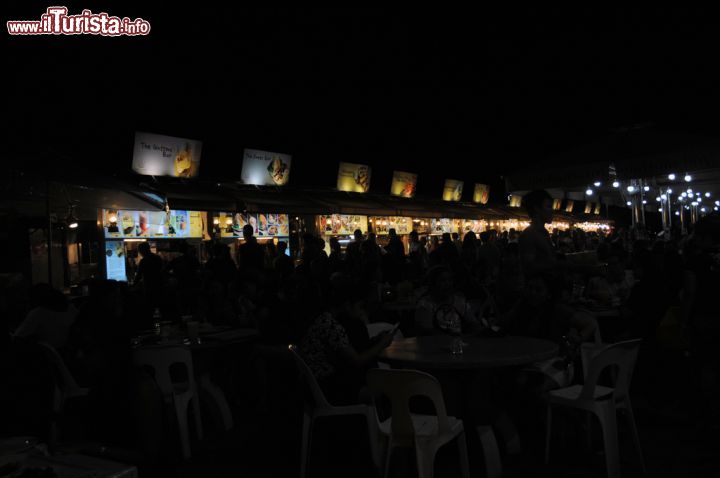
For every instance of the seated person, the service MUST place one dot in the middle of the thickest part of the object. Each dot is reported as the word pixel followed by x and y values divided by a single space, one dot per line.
pixel 336 346
pixel 442 306
pixel 50 318
pixel 614 288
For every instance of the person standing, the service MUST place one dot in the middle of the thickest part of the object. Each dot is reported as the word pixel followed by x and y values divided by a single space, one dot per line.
pixel 283 264
pixel 537 255
pixel 149 274
pixel 352 253
pixel 251 256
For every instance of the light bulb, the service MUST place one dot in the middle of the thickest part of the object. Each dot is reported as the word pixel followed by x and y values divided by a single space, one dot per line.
pixel 694 203
pixel 616 184
pixel 671 177
pixel 112 219
pixel 73 225
pixel 702 209
pixel 660 209
pixel 689 191
pixel 644 201
pixel 677 213
pixel 216 221
pixel 228 221
pixel 630 189
pixel 597 184
pixel 717 203
pixel 657 199
pixel 669 191
pixel 646 188
pixel 688 178
pixel 684 194
pixel 707 195
pixel 589 192
pixel 629 203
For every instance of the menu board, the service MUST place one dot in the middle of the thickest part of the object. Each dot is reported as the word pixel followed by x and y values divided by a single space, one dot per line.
pixel 263 224
pixel 342 224
pixel 453 190
pixel 403 184
pixel 354 178
pixel 118 223
pixel 265 168
pixel 402 225
pixel 159 155
pixel 115 260
pixel 481 194
pixel 440 226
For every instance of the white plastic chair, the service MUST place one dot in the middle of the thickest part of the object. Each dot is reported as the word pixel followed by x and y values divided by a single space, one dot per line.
pixel 425 433
pixel 320 407
pixel 602 401
pixel 160 359
pixel 65 385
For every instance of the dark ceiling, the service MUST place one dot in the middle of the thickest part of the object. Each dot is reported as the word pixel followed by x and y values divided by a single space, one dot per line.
pixel 472 94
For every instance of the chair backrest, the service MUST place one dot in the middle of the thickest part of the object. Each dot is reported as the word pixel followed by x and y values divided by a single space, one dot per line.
pixel 622 355
pixel 309 379
pixel 399 386
pixel 160 359
pixel 65 381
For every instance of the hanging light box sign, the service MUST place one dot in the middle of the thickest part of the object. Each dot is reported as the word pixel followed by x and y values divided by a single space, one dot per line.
pixel 354 178
pixel 569 205
pixel 403 184
pixel 159 155
pixel 265 168
pixel 453 190
pixel 481 195
pixel 515 200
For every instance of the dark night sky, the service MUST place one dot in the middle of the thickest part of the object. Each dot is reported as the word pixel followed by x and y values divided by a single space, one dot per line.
pixel 466 94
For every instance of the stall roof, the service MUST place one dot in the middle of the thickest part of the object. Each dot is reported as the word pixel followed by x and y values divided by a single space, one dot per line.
pixel 31 196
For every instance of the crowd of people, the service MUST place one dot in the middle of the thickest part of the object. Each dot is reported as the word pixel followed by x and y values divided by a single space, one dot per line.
pixel 533 282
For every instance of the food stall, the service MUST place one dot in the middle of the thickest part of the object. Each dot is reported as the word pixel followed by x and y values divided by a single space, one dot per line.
pixel 381 226
pixel 438 227
pixel 267 227
pixel 475 225
pixel 124 230
pixel 341 226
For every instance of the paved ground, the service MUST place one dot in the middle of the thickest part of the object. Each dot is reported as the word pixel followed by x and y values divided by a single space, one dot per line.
pixel 266 446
